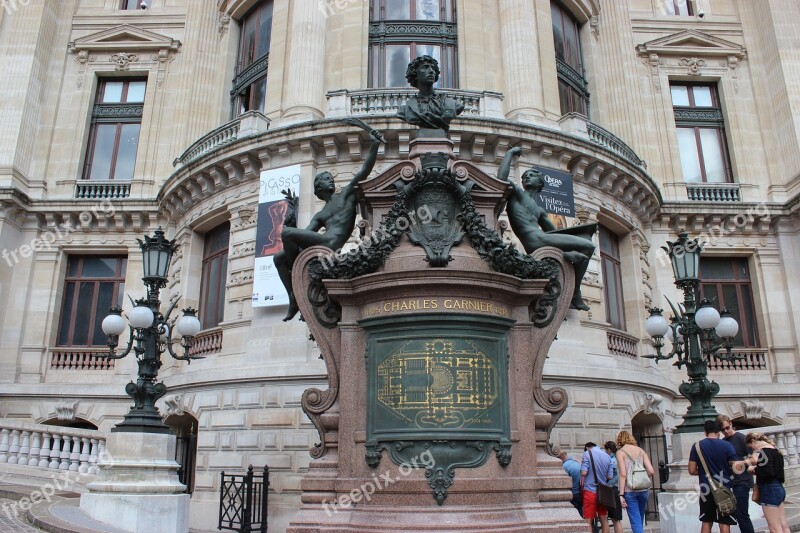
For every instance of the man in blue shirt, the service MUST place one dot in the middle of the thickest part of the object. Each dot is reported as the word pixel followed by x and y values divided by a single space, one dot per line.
pixel 573 469
pixel 719 456
pixel 602 465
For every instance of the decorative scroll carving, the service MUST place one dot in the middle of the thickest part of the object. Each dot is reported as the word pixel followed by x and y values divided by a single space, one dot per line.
pixel 66 410
pixel 555 399
pixel 752 409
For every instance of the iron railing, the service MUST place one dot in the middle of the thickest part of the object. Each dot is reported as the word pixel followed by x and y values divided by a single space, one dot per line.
pixel 243 501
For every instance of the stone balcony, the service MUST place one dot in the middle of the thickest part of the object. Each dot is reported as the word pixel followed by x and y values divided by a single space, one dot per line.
pixel 236 152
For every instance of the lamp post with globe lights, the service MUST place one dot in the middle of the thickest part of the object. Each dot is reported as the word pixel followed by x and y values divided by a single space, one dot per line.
pixel 697 333
pixel 151 334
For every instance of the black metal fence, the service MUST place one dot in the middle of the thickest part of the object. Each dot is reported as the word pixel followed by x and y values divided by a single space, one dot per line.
pixel 656 448
pixel 243 501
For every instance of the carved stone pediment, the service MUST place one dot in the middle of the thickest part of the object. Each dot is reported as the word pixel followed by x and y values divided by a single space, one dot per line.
pixel 124 38
pixel 691 43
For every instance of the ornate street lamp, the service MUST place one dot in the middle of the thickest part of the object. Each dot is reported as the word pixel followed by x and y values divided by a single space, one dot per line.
pixel 697 334
pixel 151 334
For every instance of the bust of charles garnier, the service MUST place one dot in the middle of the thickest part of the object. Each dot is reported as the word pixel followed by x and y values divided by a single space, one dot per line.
pixel 428 109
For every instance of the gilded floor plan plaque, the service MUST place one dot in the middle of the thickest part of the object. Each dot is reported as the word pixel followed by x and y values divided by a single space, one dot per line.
pixel 438 384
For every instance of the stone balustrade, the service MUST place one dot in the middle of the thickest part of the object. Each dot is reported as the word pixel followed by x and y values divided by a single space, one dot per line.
pixel 79 359
pixel 387 101
pixel 620 343
pixel 102 189
pixel 751 360
pixel 605 138
pixel 50 447
pixel 245 125
pixel 207 342
pixel 787 440
pixel 713 192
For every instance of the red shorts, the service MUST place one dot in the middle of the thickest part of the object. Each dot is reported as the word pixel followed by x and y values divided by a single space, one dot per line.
pixel 590 507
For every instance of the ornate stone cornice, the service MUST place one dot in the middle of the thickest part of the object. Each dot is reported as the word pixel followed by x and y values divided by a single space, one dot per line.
pixel 481 141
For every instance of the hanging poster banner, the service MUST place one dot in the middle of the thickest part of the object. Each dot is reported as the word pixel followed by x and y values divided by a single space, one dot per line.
pixel 557 196
pixel 268 290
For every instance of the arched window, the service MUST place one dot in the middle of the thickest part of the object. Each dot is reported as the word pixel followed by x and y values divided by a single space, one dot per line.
pixel 573 89
pixel 250 84
pixel 400 30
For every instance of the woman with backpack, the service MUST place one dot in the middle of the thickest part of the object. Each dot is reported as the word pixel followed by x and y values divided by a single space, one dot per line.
pixel 635 479
pixel 767 464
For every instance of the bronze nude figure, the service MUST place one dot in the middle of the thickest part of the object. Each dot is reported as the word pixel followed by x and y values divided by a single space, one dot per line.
pixel 338 217
pixel 534 230
pixel 428 109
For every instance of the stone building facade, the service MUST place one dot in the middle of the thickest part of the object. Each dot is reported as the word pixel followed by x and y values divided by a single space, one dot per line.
pixel 120 116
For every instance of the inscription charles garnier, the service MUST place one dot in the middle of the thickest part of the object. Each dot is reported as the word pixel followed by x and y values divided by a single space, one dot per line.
pixel 389 307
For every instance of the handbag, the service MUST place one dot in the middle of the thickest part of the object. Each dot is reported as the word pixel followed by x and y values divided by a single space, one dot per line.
pixel 637 478
pixel 724 498
pixel 756 495
pixel 605 494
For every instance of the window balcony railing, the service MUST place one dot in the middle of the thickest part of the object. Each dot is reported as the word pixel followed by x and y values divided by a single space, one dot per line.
pixel 207 342
pixel 620 343
pixel 79 359
pixel 90 190
pixel 387 101
pixel 713 192
pixel 753 359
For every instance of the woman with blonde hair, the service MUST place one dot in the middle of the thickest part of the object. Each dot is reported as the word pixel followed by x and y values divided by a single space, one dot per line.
pixel 633 497
pixel 767 464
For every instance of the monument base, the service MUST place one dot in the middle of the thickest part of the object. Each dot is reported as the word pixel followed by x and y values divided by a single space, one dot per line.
pixel 544 517
pixel 678 505
pixel 137 485
pixel 139 513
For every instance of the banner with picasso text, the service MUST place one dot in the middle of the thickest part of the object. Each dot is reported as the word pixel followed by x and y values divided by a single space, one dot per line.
pixel 268 290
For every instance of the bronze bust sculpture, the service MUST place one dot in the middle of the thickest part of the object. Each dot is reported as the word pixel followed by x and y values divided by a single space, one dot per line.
pixel 427 109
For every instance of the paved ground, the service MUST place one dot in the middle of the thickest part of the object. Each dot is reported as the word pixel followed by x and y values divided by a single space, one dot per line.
pixel 11 523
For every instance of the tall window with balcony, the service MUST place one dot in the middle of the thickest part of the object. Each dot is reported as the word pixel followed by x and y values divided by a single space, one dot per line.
pixel 573 89
pixel 130 5
pixel 401 30
pixel 612 278
pixel 92 285
pixel 214 275
pixel 114 132
pixel 701 133
pixel 250 84
pixel 726 282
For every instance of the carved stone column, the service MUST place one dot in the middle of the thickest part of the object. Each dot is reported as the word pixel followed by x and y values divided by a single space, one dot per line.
pixel 523 79
pixel 304 86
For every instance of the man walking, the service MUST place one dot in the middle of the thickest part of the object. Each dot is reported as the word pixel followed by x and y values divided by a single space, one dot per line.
pixel 719 456
pixel 602 465
pixel 742 483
